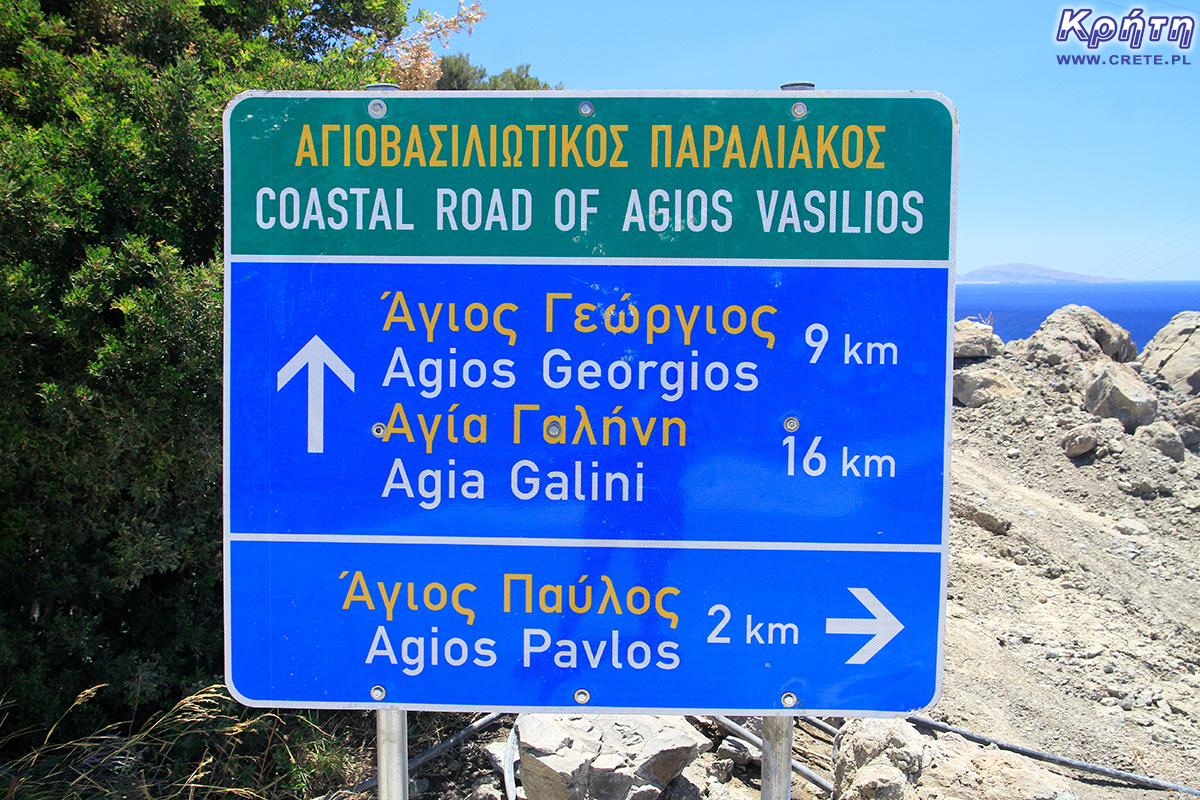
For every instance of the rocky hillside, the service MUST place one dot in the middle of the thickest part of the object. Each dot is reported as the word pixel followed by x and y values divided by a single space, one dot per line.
pixel 1073 604
pixel 1074 597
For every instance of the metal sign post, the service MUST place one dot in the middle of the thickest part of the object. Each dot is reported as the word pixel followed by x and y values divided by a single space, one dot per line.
pixel 391 752
pixel 777 758
pixel 521 390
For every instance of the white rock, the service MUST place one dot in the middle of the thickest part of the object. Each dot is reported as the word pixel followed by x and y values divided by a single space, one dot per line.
pixel 577 757
pixel 1080 440
pixel 980 386
pixel 1162 437
pixel 1174 353
pixel 861 741
pixel 877 780
pixel 739 751
pixel 1076 333
pixel 973 339
pixel 1117 391
pixel 1132 527
pixel 965 771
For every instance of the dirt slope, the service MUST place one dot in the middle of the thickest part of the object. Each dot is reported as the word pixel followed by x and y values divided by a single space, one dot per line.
pixel 1065 634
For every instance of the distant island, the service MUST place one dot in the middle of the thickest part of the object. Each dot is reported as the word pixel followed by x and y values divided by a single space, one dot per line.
pixel 1029 273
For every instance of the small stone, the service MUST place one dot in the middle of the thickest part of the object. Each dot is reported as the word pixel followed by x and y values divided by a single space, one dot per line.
pixel 721 770
pixel 486 791
pixel 715 791
pixel 738 750
pixel 1080 440
pixel 1132 527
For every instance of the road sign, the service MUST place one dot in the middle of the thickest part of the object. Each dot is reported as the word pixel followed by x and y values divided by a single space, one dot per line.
pixel 609 401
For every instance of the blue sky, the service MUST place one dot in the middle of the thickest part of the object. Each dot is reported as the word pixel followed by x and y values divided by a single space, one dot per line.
pixel 1087 168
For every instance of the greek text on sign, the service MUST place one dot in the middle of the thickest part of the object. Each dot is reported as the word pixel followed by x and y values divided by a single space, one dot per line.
pixel 541 400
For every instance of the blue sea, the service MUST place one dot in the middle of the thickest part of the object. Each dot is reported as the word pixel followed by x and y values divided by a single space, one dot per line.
pixel 1141 308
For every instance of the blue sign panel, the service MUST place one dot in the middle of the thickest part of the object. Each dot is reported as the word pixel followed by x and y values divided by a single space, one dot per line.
pixel 554 482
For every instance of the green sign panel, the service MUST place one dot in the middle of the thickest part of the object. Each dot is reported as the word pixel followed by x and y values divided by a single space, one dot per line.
pixel 813 176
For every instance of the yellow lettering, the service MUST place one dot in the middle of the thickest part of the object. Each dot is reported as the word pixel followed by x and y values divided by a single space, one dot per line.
pixel 391 146
pixel 847 161
pixel 351 597
pixel 733 150
pixel 569 147
pixel 325 131
pixel 415 149
pixel 615 130
pixel 404 429
pixel 306 149
pixel 761 144
pixel 369 159
pixel 536 130
pixel 800 150
pixel 825 145
pixel 434 161
pixel 687 148
pixel 655 130
pixel 473 139
pixel 871 131
pixel 712 143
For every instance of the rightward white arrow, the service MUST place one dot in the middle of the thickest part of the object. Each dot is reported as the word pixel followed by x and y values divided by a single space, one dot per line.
pixel 882 627
pixel 316 355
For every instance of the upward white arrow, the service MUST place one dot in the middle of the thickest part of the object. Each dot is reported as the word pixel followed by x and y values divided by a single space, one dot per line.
pixel 316 355
pixel 882 626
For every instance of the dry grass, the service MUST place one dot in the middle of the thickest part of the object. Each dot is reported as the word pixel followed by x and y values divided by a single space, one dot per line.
pixel 206 746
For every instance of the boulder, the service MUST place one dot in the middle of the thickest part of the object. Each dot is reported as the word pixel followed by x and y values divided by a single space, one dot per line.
pixel 1118 392
pixel 1189 413
pixel 1173 355
pixel 965 771
pixel 629 757
pixel 1187 422
pixel 1188 434
pixel 973 339
pixel 982 385
pixel 876 758
pixel 1163 438
pixel 1076 333
pixel 876 780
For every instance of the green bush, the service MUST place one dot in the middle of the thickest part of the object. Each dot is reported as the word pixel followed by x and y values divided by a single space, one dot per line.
pixel 110 331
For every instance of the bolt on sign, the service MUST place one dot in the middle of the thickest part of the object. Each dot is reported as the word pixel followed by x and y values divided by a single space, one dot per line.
pixel 609 400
